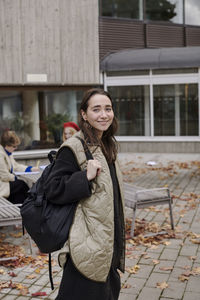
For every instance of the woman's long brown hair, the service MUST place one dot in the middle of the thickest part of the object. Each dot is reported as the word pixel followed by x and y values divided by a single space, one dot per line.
pixel 108 142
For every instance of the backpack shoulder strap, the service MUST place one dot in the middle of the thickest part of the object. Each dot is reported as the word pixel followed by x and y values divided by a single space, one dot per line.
pixel 86 149
pixel 52 155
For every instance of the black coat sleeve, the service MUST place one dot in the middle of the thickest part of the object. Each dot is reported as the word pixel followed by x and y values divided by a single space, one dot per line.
pixel 66 182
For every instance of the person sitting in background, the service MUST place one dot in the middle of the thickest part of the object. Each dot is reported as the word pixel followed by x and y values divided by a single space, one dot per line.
pixel 12 188
pixel 69 128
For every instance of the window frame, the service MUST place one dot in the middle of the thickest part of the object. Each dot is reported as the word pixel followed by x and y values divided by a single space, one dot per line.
pixel 151 80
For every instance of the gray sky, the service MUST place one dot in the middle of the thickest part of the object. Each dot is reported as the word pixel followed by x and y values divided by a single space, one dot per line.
pixel 192 8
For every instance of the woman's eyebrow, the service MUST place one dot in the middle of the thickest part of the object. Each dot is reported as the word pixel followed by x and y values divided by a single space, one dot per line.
pixel 97 106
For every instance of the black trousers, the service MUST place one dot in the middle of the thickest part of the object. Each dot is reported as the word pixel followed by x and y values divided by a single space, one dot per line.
pixel 75 286
pixel 18 191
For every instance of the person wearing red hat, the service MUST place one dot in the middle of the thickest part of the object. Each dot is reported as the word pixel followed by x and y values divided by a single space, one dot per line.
pixel 69 128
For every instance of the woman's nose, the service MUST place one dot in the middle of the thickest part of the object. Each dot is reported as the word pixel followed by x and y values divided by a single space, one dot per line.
pixel 103 113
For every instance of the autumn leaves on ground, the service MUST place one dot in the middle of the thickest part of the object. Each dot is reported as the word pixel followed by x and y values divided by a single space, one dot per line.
pixel 178 176
pixel 185 201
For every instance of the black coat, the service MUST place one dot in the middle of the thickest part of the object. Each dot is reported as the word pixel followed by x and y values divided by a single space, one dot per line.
pixel 67 183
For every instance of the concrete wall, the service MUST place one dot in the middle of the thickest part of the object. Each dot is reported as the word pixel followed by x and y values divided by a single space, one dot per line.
pixel 49 42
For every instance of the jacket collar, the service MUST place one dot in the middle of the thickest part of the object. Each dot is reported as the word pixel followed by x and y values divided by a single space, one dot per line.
pixel 9 153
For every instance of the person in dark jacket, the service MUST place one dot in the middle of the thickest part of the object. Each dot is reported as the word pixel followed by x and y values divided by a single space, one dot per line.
pixel 95 250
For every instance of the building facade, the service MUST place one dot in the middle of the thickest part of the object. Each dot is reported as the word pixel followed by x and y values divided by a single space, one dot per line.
pixel 150 59
pixel 49 54
pixel 145 52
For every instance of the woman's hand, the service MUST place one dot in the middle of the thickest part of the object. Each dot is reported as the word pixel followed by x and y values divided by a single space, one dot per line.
pixel 93 169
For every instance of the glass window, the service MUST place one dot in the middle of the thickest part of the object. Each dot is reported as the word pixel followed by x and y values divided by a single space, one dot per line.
pixel 131 107
pixel 164 110
pixel 59 107
pixel 38 116
pixel 155 10
pixel 122 8
pixel 189 110
pixel 11 111
pixel 176 110
pixel 192 12
pixel 164 10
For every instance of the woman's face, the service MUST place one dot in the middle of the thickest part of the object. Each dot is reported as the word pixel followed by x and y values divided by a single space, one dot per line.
pixel 68 132
pixel 11 149
pixel 99 113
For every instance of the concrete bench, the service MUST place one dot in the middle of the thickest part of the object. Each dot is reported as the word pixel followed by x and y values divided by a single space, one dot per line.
pixel 138 197
pixel 10 215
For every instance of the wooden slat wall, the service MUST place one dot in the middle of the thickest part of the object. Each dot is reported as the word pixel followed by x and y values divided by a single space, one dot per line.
pixel 118 34
pixel 164 36
pixel 41 38
pixel 193 36
pixel 80 41
pixel 58 38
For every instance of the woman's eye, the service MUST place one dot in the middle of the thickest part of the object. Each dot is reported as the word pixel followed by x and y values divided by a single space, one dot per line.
pixel 108 109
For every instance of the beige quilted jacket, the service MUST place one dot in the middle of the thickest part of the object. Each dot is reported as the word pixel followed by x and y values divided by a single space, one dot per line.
pixel 91 235
pixel 5 168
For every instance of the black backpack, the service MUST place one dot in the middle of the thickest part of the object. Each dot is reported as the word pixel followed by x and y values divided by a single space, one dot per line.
pixel 47 223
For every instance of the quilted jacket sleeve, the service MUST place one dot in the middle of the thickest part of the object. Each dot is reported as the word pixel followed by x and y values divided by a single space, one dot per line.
pixel 5 174
pixel 66 183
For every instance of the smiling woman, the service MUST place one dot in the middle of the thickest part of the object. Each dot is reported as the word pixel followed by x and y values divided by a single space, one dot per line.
pixel 92 111
pixel 96 239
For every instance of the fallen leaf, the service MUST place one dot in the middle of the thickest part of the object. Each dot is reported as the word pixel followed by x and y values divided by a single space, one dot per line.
pixel 187 273
pixel 166 243
pixel 5 284
pixel 196 271
pixel 32 276
pixel 194 241
pixel 186 267
pixel 155 261
pixel 129 252
pixel 126 286
pixel 162 285
pixel 146 256
pixel 183 278
pixel 39 294
pixel 133 270
pixel 12 274
pixel 24 291
pixel 16 235
pixel 22 288
pixel 37 270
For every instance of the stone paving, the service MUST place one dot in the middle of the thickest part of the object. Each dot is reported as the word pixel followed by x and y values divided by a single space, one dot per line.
pixel 149 264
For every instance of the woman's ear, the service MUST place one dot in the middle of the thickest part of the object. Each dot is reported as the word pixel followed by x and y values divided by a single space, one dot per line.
pixel 83 114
